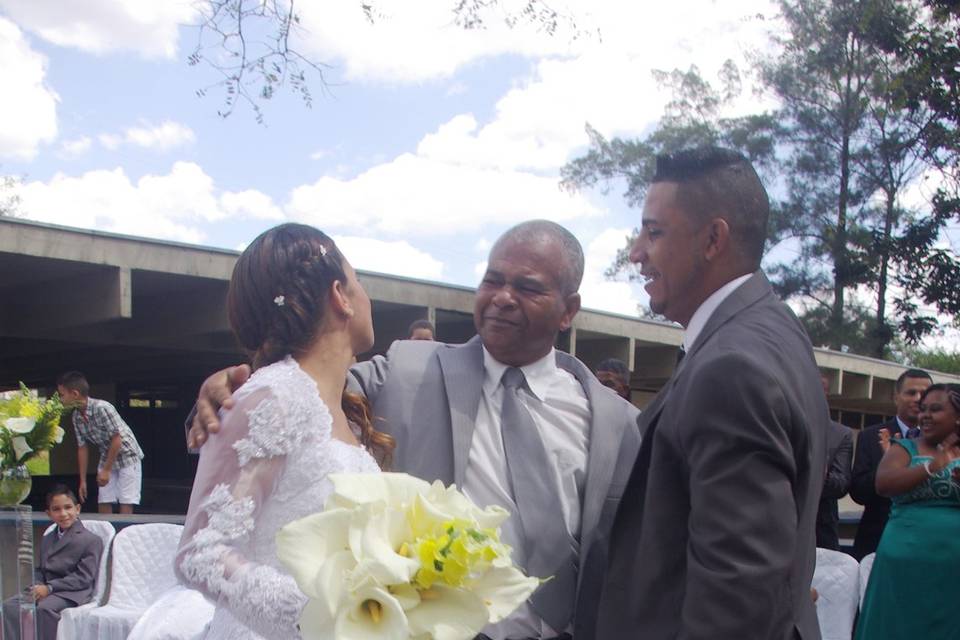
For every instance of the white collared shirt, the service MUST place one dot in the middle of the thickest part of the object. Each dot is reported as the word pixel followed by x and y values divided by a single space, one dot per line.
pixel 904 428
pixel 560 411
pixel 700 317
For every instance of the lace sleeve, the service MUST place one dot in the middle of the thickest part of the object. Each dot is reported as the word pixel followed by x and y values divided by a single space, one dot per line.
pixel 238 471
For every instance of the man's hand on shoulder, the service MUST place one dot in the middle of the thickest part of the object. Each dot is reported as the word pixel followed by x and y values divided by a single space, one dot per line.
pixel 215 392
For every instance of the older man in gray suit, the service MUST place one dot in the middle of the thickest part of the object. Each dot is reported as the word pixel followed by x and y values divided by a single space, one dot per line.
pixel 714 534
pixel 511 420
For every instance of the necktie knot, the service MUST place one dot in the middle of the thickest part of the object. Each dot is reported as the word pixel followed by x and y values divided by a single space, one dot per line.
pixel 913 432
pixel 513 379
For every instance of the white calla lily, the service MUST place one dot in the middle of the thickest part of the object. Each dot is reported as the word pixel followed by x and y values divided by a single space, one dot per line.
pixel 19 425
pixel 377 543
pixel 372 614
pixel 355 489
pixel 503 589
pixel 58 435
pixel 448 614
pixel 20 447
pixel 304 545
pixel 316 623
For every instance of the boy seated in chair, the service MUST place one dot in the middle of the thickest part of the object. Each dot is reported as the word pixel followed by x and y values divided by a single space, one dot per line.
pixel 67 575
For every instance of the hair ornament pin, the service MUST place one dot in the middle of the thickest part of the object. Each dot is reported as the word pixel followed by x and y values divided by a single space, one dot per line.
pixel 278 301
pixel 323 250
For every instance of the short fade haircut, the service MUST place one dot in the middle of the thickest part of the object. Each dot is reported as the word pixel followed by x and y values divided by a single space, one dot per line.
pixel 720 182
pixel 533 231
pixel 421 324
pixel 75 381
pixel 60 490
pixel 911 373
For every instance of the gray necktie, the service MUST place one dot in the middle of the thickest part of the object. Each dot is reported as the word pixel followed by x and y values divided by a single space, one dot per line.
pixel 546 542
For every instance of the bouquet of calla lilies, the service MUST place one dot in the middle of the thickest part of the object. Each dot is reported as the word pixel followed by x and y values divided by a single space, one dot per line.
pixel 28 426
pixel 394 557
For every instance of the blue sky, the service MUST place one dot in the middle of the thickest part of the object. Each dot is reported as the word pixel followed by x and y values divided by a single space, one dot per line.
pixel 428 144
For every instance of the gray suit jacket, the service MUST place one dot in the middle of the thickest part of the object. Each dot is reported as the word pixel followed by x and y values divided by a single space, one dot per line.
pixel 427 395
pixel 69 565
pixel 714 535
pixel 836 484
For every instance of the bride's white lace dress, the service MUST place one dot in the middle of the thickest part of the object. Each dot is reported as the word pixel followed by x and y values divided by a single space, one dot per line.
pixel 267 466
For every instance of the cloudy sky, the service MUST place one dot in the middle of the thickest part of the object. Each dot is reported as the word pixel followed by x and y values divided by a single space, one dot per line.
pixel 427 142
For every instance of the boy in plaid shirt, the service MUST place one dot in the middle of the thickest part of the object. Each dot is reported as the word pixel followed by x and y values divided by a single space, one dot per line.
pixel 97 422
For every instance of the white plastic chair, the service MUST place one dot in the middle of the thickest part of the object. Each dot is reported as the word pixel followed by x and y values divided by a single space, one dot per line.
pixel 837 581
pixel 141 570
pixel 106 532
pixel 866 565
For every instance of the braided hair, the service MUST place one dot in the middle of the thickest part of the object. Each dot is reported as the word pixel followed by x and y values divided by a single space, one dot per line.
pixel 277 300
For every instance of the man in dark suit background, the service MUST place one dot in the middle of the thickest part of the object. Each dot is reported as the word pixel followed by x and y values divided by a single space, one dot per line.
pixel 714 533
pixel 837 482
pixel 67 575
pixel 876 509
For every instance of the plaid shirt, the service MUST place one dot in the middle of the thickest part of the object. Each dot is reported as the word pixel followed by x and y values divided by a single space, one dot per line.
pixel 98 424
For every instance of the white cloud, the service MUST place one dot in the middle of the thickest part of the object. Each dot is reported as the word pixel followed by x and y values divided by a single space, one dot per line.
pixel 164 136
pixel 417 41
pixel 103 26
pixel 417 196
pixel 398 258
pixel 596 291
pixel 174 206
pixel 28 112
pixel 77 146
pixel 250 204
pixel 482 246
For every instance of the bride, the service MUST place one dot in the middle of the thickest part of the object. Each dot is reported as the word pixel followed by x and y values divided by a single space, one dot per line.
pixel 296 305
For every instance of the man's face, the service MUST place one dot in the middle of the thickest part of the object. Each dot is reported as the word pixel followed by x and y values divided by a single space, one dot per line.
pixel 669 250
pixel 908 399
pixel 63 511
pixel 520 306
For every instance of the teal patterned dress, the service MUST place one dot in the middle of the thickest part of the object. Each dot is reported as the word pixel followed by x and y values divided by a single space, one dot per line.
pixel 914 588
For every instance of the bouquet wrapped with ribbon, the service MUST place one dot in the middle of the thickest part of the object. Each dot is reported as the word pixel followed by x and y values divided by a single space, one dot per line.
pixel 394 557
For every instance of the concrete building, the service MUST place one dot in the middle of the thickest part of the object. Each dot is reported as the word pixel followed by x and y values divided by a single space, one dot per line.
pixel 145 320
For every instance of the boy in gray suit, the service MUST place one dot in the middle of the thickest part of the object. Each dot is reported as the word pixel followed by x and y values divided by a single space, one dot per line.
pixel 67 575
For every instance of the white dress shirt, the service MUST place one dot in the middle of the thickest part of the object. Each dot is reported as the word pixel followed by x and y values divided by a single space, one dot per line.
pixel 700 317
pixel 561 413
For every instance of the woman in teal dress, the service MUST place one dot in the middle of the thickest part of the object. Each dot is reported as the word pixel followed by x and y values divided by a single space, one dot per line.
pixel 914 587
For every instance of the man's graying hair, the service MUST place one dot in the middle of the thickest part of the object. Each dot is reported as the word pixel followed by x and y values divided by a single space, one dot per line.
pixel 536 231
pixel 718 182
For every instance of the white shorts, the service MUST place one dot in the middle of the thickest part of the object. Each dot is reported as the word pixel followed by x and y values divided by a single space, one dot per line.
pixel 123 486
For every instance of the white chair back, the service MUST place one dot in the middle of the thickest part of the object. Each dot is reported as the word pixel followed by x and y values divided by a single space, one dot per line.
pixel 837 581
pixel 142 565
pixel 866 564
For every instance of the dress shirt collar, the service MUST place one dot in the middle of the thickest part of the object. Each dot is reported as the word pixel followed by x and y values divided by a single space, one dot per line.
pixel 700 317
pixel 903 426
pixel 538 373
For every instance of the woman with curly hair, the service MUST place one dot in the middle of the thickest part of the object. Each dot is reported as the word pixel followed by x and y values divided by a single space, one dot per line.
pixel 913 589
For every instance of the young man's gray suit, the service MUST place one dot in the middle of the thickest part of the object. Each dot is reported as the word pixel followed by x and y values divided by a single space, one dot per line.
pixel 714 535
pixel 68 565
pixel 427 395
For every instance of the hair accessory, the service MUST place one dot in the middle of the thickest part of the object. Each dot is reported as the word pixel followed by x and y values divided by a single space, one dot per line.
pixel 278 301
pixel 323 250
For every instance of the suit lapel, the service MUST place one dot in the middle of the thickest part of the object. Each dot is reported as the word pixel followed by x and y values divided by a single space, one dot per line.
pixel 463 379
pixel 603 451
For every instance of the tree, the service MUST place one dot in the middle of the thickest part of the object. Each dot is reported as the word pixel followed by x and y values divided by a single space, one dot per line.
pixel 9 198
pixel 931 273
pixel 691 118
pixel 251 44
pixel 837 157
